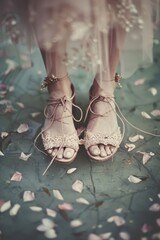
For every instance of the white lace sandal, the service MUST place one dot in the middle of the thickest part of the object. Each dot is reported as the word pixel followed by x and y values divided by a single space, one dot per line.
pixel 91 138
pixel 64 140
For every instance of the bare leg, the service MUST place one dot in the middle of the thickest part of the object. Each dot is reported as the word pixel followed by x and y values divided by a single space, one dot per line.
pixel 54 62
pixel 103 86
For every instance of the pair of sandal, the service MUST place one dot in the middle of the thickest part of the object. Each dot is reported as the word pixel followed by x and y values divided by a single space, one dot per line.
pixel 72 140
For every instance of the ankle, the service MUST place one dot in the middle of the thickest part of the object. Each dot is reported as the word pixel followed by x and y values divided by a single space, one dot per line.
pixel 61 88
pixel 104 89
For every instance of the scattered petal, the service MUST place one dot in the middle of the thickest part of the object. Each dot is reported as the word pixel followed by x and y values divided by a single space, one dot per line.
pixel 1 153
pixel 50 234
pixel 1 202
pixel 11 88
pixel 5 206
pixel 153 91
pixel 139 82
pixel 17 177
pixel 24 156
pixel 42 228
pixel 35 114
pixel 146 156
pixel 82 200
pixel 146 228
pixel 14 210
pixel 65 207
pixel 51 212
pixel 23 128
pixel 135 138
pixel 156 113
pixel 77 186
pixel 155 207
pixel 35 209
pixel 130 146
pixel 158 195
pixel 158 222
pixel 4 134
pixel 119 221
pixel 134 179
pixel 11 65
pixel 21 105
pixel 76 223
pixel 71 170
pixel 119 210
pixel 28 196
pixel 105 236
pixel 93 236
pixel 58 195
pixel 151 199
pixel 48 223
pixel 124 235
pixel 156 236
pixel 145 115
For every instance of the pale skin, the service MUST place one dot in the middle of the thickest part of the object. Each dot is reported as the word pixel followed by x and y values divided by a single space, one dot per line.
pixel 106 124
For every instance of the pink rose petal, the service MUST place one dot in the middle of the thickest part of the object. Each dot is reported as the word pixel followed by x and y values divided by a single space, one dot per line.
pixel 28 196
pixel 65 207
pixel 139 82
pixel 119 221
pixel 124 235
pixel 158 222
pixel 93 236
pixel 78 186
pixel 24 156
pixel 17 177
pixel 50 212
pixel 156 113
pixel 146 228
pixel 106 235
pixel 155 207
pixel 23 128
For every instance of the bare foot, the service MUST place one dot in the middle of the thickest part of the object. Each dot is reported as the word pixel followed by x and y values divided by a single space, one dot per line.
pixel 59 134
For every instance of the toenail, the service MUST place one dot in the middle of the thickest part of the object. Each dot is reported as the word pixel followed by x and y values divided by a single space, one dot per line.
pixel 96 151
pixel 68 154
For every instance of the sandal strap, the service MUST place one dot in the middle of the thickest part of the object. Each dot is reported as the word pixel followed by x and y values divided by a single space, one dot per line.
pixel 70 141
pixel 113 139
pixel 95 99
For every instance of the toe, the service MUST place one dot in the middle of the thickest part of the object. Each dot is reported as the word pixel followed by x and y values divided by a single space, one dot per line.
pixel 68 153
pixel 60 153
pixel 108 151
pixel 112 149
pixel 102 151
pixel 54 152
pixel 49 151
pixel 94 150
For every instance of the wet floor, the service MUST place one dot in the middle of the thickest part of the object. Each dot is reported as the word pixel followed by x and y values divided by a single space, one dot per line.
pixel 108 205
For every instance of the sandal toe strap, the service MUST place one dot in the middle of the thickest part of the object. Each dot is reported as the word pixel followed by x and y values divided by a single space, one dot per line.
pixel 70 141
pixel 102 138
